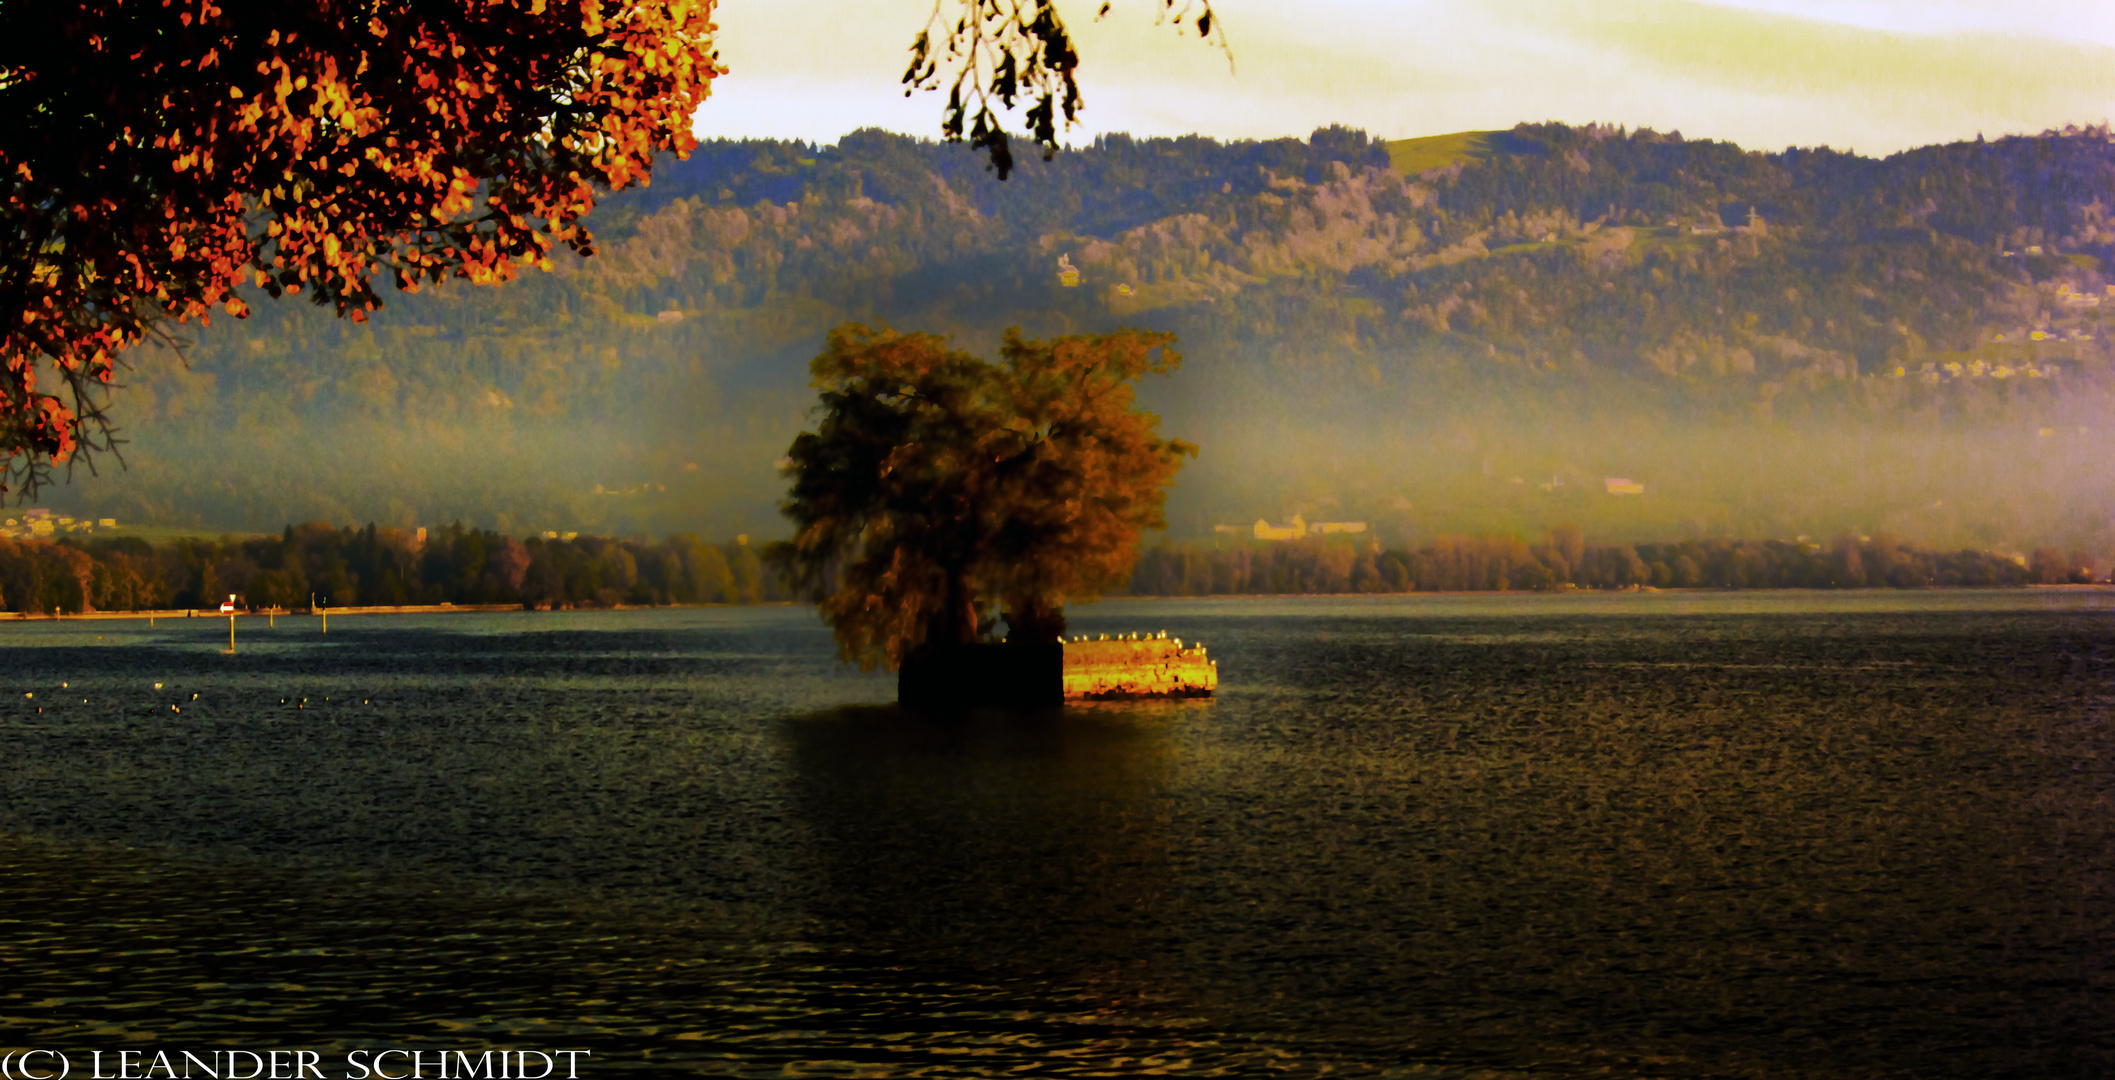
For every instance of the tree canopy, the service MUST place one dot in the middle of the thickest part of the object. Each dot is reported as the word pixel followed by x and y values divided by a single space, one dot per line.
pixel 939 489
pixel 158 156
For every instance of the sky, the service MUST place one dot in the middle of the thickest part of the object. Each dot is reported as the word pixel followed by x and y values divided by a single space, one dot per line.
pixel 1874 76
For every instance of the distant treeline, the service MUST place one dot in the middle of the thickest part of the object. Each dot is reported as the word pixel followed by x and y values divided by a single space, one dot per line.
pixel 345 567
pixel 1563 559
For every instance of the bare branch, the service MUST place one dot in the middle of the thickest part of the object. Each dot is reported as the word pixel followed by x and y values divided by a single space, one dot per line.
pixel 1009 50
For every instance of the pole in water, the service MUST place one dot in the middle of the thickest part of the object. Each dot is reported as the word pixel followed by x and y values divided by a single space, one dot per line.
pixel 231 633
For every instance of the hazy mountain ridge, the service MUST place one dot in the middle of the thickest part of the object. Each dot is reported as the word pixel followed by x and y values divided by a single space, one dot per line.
pixel 1613 279
pixel 1885 261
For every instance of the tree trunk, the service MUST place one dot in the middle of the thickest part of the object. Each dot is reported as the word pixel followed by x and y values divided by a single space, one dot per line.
pixel 1031 621
pixel 959 615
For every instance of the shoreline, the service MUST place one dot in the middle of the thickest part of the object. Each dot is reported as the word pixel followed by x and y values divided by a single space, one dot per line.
pixel 379 609
pixel 1631 591
pixel 449 609
pixel 201 613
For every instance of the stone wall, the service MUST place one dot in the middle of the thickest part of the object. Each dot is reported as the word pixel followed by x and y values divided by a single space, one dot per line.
pixel 1141 667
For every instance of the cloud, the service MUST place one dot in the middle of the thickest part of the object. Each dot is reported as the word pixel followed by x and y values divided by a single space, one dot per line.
pixel 1802 58
pixel 2056 20
pixel 1871 75
pixel 1876 90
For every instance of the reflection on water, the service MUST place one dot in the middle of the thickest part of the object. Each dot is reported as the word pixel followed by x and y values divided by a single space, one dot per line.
pixel 1675 835
pixel 1037 836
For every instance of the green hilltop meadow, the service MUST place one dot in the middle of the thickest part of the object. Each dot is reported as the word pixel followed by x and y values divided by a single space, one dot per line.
pixel 1469 333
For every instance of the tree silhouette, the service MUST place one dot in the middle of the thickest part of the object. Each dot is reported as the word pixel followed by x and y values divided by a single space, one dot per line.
pixel 939 490
pixel 1005 49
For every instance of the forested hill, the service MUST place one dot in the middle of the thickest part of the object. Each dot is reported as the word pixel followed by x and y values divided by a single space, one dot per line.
pixel 1770 342
pixel 1574 246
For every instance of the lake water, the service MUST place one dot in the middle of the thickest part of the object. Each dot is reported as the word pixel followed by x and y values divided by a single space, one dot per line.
pixel 1637 835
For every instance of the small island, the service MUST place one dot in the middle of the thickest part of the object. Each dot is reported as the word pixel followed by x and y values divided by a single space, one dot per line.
pixel 943 497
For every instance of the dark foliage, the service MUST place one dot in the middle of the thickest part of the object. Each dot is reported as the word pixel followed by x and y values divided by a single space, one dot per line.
pixel 1562 560
pixel 345 567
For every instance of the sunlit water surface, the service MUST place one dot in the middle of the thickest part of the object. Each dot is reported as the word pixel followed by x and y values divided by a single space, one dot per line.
pixel 1658 835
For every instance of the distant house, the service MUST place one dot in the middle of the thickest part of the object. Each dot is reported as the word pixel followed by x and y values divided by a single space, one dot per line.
pixel 1623 485
pixel 1266 531
pixel 1298 527
pixel 1068 275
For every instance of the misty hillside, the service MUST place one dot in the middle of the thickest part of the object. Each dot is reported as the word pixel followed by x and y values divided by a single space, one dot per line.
pixel 1467 333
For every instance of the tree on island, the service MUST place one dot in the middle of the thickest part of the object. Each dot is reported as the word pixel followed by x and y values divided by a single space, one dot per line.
pixel 941 492
pixel 159 155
